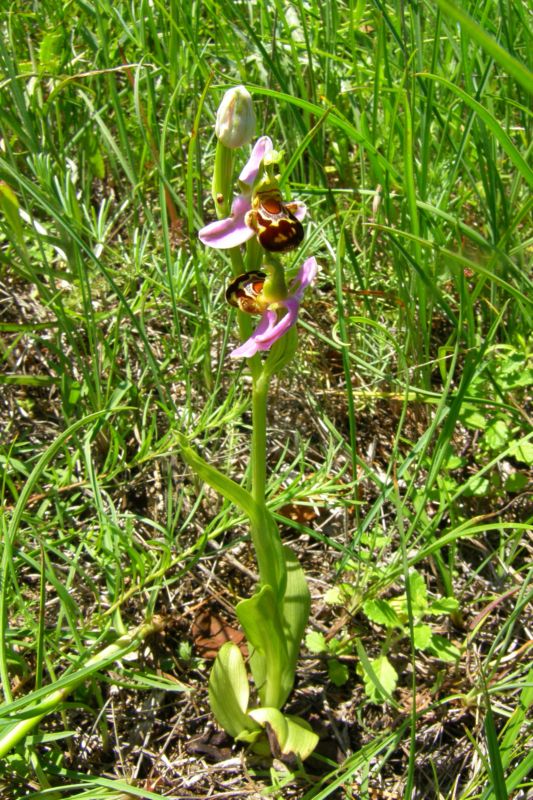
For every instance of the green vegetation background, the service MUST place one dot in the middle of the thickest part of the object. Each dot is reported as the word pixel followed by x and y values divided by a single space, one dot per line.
pixel 403 428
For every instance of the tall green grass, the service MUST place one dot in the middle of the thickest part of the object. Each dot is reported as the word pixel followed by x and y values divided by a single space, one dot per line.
pixel 407 130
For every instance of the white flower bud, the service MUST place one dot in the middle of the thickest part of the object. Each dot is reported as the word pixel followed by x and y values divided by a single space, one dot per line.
pixel 235 125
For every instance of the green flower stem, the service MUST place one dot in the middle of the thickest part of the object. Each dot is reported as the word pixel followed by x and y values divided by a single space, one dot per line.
pixel 275 287
pixel 254 254
pixel 223 180
pixel 266 537
pixel 259 413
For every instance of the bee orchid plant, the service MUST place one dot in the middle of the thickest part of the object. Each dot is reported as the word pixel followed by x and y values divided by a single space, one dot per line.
pixel 257 227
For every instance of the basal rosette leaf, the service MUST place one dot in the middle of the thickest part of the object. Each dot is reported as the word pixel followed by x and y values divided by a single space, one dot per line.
pixel 295 607
pixel 229 691
pixel 275 630
pixel 290 738
pixel 269 661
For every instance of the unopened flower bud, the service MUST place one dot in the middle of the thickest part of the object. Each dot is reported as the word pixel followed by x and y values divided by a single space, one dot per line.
pixel 235 125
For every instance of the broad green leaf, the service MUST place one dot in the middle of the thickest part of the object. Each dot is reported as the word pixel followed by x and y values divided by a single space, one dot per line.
pixel 474 419
pixel 220 482
pixel 295 606
pixel 185 651
pixel 264 531
pixel 442 648
pixel 418 594
pixel 337 672
pixel 336 646
pixel 446 483
pixel 269 553
pixel 454 462
pixel 288 736
pixel 97 160
pixel 269 662
pixel 51 50
pixel 422 636
pixel 96 156
pixel 316 642
pixel 281 353
pixel 383 613
pixel 229 691
pixel 251 737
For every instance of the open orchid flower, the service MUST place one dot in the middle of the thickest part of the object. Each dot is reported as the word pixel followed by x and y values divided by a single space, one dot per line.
pixel 278 317
pixel 262 212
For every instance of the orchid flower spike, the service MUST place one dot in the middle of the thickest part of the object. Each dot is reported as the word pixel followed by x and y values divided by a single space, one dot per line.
pixel 258 210
pixel 277 317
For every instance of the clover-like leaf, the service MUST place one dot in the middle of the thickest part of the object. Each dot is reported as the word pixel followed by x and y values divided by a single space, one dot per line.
pixel 446 605
pixel 442 648
pixel 422 636
pixel 381 612
pixel 419 594
pixel 337 672
pixel 380 679
pixel 316 642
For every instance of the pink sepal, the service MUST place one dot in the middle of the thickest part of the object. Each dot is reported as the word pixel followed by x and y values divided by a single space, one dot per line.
pixel 231 231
